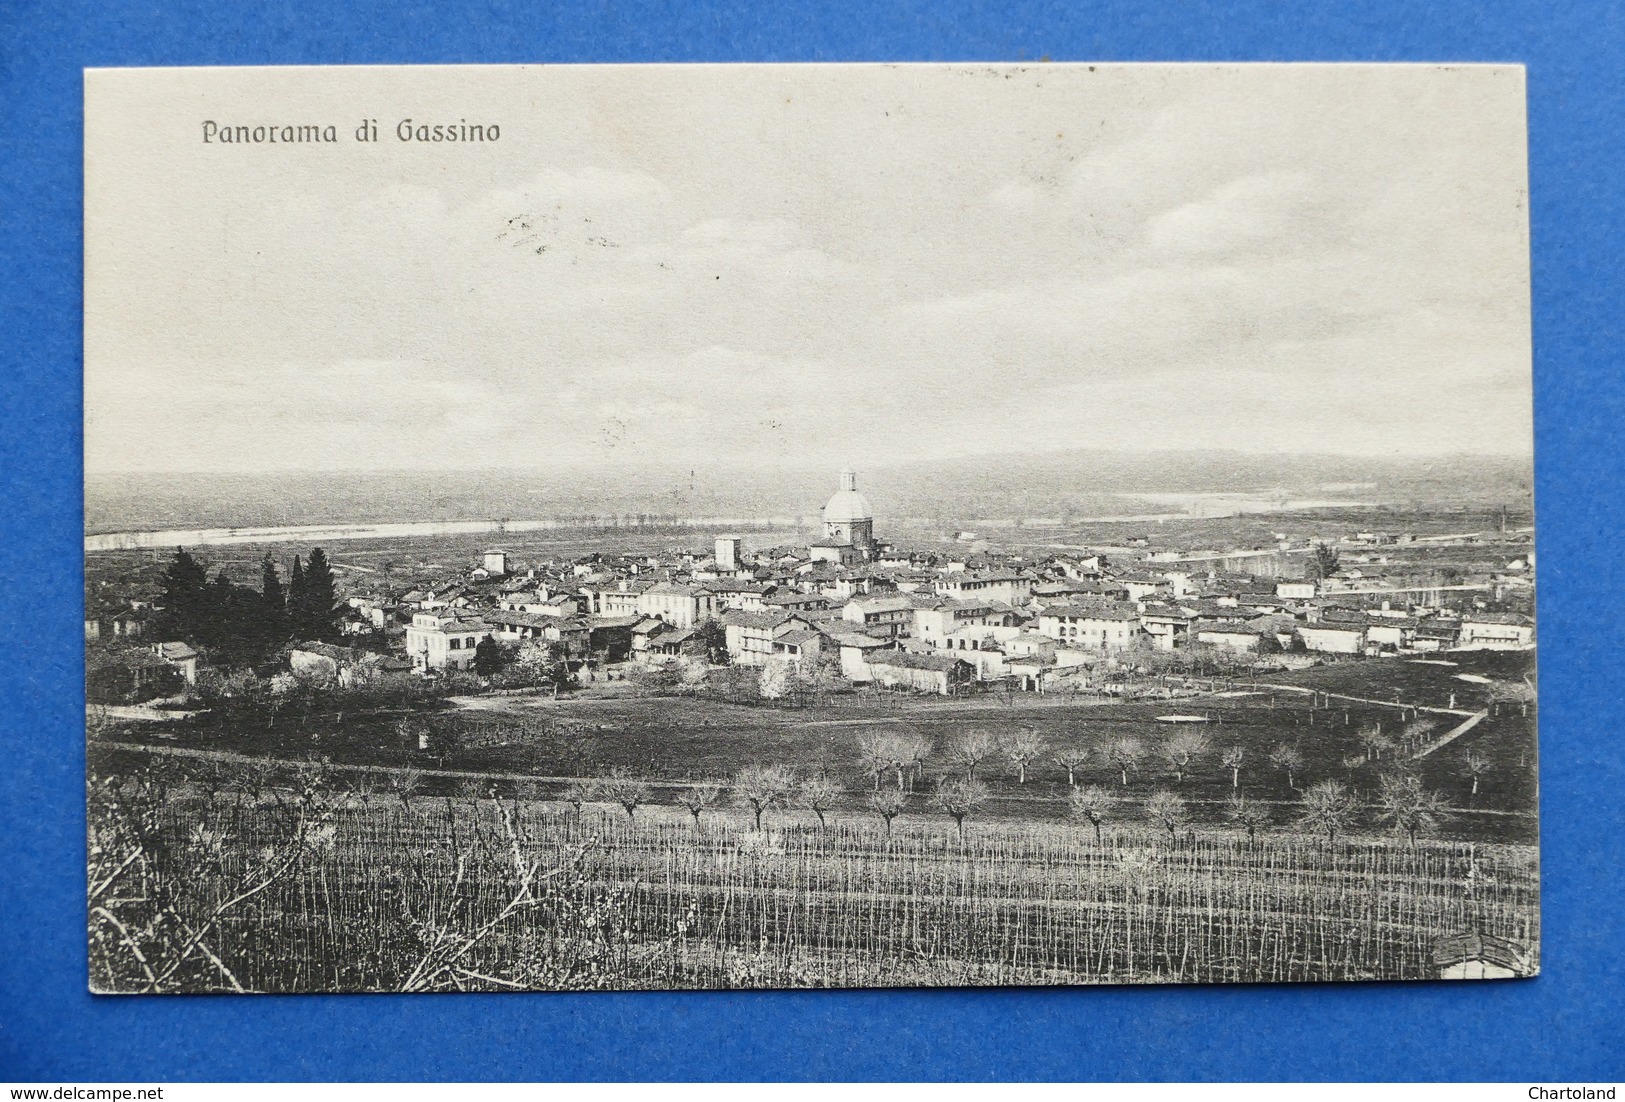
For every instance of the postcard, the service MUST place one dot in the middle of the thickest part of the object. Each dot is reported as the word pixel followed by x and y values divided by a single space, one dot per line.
pixel 783 526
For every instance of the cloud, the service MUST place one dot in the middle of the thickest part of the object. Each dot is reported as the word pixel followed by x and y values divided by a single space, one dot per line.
pixel 1248 213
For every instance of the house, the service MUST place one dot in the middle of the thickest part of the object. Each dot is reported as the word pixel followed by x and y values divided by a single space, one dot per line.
pixel 891 616
pixel 798 645
pixel 1229 634
pixel 936 622
pixel 181 656
pixel 1495 631
pixel 927 673
pixel 795 601
pixel 1168 626
pixel 1030 671
pixel 997 585
pixel 1390 632
pixel 1479 957
pixel 119 676
pixel 1097 626
pixel 681 606
pixel 751 635
pixel 855 649
pixel 436 641
pixel 1296 590
pixel 1333 637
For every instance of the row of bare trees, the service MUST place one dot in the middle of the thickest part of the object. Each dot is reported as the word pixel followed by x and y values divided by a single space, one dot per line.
pixel 1402 803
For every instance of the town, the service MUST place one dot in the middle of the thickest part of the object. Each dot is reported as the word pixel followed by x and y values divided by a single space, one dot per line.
pixel 854 610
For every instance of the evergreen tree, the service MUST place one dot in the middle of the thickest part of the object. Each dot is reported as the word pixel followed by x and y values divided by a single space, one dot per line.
pixel 296 599
pixel 273 618
pixel 320 619
pixel 271 592
pixel 185 582
pixel 489 657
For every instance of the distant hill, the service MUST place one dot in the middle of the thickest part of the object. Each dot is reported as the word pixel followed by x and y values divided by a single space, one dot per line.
pixel 1058 484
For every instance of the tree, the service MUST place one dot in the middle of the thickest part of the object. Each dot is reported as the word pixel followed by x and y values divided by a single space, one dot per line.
pixel 544 663
pixel 273 604
pixel 1124 754
pixel 762 786
pixel 1477 764
pixel 1183 749
pixel 698 798
pixel 321 597
pixel 1330 807
pixel 1072 757
pixel 1093 803
pixel 298 598
pixel 709 642
pixel 1323 562
pixel 1021 747
pixel 971 749
pixel 490 657
pixel 1288 759
pixel 818 795
pixel 407 782
pixel 578 794
pixel 620 787
pixel 1234 758
pixel 1167 810
pixel 1374 741
pixel 774 679
pixel 1405 804
pixel 961 799
pixel 913 751
pixel 1247 813
pixel 184 600
pixel 888 803
pixel 877 753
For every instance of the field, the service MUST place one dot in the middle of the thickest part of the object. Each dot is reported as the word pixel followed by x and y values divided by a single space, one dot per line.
pixel 302 885
pixel 671 739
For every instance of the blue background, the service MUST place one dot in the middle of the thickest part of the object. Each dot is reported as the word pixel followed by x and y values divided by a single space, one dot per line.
pixel 1567 1025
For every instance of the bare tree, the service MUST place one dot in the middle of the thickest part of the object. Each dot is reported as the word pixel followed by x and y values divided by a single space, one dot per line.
pixel 408 782
pixel 1374 741
pixel 1330 807
pixel 578 794
pixel 1093 803
pixel 762 786
pixel 1416 732
pixel 620 787
pixel 1406 805
pixel 818 795
pixel 1021 747
pixel 1247 813
pixel 698 798
pixel 888 803
pixel 1125 754
pixel 915 750
pixel 1477 764
pixel 970 750
pixel 961 799
pixel 1072 757
pixel 875 748
pixel 1288 759
pixel 1183 749
pixel 1167 810
pixel 1234 758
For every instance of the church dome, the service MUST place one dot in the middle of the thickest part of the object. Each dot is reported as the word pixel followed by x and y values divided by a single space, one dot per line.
pixel 847 504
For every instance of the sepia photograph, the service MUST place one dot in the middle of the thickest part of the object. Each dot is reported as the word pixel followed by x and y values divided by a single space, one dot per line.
pixel 628 527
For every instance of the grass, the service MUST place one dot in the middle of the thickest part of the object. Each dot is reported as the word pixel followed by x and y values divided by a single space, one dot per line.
pixel 685 738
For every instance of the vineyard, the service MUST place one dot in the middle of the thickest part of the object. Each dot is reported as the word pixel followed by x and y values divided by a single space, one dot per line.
pixel 308 887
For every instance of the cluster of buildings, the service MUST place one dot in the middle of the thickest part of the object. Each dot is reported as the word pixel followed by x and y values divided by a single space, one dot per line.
pixel 854 607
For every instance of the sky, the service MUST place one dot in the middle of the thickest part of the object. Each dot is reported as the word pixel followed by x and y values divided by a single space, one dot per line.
pixel 803 266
